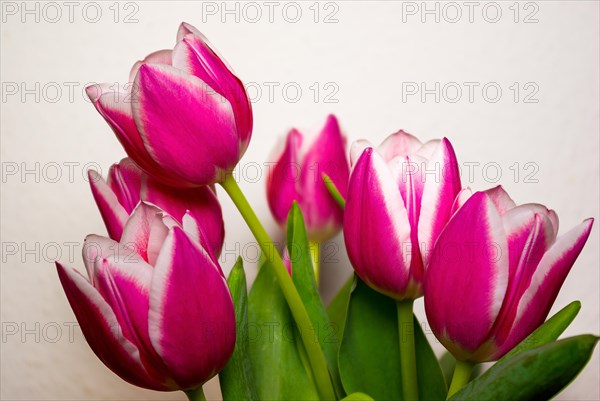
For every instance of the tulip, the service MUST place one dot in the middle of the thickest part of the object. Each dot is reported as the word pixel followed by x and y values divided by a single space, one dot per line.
pixel 185 117
pixel 297 175
pixel 127 184
pixel 158 314
pixel 496 271
pixel 400 196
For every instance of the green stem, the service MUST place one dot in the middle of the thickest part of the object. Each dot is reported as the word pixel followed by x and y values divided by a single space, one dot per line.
pixel 196 394
pixel 408 364
pixel 315 257
pixel 313 349
pixel 461 376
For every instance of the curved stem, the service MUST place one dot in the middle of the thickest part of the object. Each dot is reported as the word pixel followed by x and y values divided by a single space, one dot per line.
pixel 408 364
pixel 461 376
pixel 196 394
pixel 313 349
pixel 315 257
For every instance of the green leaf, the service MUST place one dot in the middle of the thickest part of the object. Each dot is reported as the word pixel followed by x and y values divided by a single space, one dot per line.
pixel 549 331
pixel 303 276
pixel 338 307
pixel 535 374
pixel 371 338
pixel 278 358
pixel 236 379
pixel 357 397
pixel 335 193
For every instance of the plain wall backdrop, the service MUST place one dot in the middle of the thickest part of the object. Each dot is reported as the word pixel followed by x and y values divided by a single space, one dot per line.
pixel 530 123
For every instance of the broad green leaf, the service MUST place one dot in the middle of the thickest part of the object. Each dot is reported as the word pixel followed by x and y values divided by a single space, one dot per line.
pixel 338 307
pixel 277 356
pixel 357 397
pixel 236 379
pixel 534 374
pixel 303 276
pixel 335 193
pixel 371 338
pixel 549 331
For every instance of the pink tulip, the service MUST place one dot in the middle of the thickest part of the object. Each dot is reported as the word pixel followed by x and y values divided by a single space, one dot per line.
pixel 496 271
pixel 399 199
pixel 158 314
pixel 184 118
pixel 297 175
pixel 127 185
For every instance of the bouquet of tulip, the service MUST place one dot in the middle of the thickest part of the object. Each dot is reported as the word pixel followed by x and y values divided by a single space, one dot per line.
pixel 157 309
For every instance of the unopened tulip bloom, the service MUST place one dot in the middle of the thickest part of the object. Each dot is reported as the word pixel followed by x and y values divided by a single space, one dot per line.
pixel 400 197
pixel 158 314
pixel 184 118
pixel 495 273
pixel 297 175
pixel 127 185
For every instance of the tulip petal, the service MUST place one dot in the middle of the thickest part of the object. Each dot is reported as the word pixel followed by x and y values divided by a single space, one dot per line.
pixel 376 227
pixel 158 57
pixel 551 272
pixel 326 155
pixel 357 148
pixel 191 321
pixel 199 126
pixel 501 199
pixel 399 144
pixel 103 332
pixel 201 202
pixel 96 247
pixel 113 214
pixel 194 55
pixel 439 193
pixel 145 232
pixel 461 198
pixel 467 276
pixel 283 179
pixel 124 179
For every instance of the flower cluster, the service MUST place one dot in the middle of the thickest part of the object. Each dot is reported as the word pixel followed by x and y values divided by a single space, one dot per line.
pixel 155 306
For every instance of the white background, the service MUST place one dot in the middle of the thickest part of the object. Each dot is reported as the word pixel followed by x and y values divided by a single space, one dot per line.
pixel 369 55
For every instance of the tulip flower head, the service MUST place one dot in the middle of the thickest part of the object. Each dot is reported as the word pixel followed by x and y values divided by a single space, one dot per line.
pixel 184 118
pixel 495 273
pixel 158 313
pixel 298 176
pixel 127 185
pixel 400 197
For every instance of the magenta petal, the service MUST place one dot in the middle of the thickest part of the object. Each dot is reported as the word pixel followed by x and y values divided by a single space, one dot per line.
pixel 113 214
pixel 326 155
pixel 283 178
pixel 439 193
pixel 376 227
pixel 399 144
pixel 467 276
pixel 194 56
pixel 145 232
pixel 501 199
pixel 197 138
pixel 124 179
pixel 103 332
pixel 461 198
pixel 95 248
pixel 192 322
pixel 201 202
pixel 157 57
pixel 551 272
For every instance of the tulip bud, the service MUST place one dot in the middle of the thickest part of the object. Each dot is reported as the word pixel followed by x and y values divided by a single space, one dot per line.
pixel 156 309
pixel 185 118
pixel 297 175
pixel 400 196
pixel 127 184
pixel 495 273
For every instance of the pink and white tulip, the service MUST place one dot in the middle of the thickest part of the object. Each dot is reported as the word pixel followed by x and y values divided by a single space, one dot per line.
pixel 127 185
pixel 400 197
pixel 297 175
pixel 496 271
pixel 158 314
pixel 185 117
